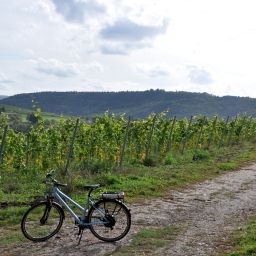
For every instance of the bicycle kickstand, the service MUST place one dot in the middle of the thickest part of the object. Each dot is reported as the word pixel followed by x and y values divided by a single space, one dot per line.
pixel 80 234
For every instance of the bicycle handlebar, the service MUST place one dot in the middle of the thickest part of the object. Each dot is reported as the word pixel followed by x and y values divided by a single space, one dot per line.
pixel 49 174
pixel 52 180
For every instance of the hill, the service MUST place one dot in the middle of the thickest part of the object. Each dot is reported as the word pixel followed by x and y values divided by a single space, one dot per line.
pixel 137 104
pixel 2 97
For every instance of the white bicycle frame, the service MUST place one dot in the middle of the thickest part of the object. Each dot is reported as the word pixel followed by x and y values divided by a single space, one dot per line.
pixel 62 198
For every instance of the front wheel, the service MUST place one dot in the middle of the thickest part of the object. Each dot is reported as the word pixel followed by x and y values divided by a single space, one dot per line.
pixel 42 221
pixel 110 220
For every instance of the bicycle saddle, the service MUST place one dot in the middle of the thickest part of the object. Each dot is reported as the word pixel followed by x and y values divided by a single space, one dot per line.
pixel 93 186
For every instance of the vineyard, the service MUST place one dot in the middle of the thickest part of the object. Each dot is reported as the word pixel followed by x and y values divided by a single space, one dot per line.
pixel 111 142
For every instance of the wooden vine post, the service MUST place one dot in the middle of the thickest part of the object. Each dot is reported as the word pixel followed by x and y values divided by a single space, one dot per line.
pixel 71 148
pixel 253 130
pixel 200 133
pixel 150 137
pixel 223 132
pixel 124 143
pixel 212 132
pixel 186 135
pixel 169 142
pixel 27 152
pixel 232 131
pixel 247 127
pixel 240 131
pixel 3 144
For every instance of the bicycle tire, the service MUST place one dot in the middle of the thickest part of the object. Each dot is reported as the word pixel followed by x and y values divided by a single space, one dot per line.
pixel 39 219
pixel 118 212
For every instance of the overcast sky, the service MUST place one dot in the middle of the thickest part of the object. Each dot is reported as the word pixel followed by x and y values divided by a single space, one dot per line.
pixel 112 45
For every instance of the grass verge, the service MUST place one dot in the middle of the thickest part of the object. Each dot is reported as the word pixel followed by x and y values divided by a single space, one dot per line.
pixel 244 240
pixel 147 240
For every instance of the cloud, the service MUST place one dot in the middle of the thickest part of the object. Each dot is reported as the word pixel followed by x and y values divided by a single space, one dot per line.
pixel 2 87
pixel 116 48
pixel 153 70
pixel 127 30
pixel 4 79
pixel 55 67
pixel 63 70
pixel 199 75
pixel 93 67
pixel 77 10
pixel 124 36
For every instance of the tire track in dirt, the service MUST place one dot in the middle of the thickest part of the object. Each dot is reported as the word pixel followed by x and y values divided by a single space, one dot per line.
pixel 209 211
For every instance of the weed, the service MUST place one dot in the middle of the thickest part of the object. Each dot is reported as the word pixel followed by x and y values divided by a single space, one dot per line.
pixel 97 166
pixel 227 166
pixel 149 239
pixel 201 154
pixel 11 215
pixel 11 235
pixel 170 159
pixel 245 240
pixel 151 161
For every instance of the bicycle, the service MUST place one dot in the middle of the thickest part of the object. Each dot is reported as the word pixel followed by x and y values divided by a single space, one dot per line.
pixel 108 218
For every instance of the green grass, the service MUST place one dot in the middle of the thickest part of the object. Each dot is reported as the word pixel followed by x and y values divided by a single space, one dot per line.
pixel 22 112
pixel 244 240
pixel 11 235
pixel 228 166
pixel 148 240
pixel 11 215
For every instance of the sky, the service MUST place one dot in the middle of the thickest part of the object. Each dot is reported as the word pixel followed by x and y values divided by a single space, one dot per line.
pixel 118 45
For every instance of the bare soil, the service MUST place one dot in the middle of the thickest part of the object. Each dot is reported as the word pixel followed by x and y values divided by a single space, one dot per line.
pixel 208 212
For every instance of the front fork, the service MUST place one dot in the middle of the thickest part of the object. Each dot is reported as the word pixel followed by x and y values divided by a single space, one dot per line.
pixel 49 200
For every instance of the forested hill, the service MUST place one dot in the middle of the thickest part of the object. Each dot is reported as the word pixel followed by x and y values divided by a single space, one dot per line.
pixel 2 97
pixel 136 104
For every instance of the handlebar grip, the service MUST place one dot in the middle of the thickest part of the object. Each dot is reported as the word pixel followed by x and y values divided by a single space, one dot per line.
pixel 49 174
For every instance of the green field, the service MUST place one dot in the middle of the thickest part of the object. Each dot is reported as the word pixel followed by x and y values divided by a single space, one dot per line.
pixel 22 113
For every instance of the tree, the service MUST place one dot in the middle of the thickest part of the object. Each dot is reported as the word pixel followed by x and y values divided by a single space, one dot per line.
pixel 32 118
pixel 2 109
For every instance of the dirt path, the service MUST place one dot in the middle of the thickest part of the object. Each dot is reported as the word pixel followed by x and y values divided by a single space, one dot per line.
pixel 208 211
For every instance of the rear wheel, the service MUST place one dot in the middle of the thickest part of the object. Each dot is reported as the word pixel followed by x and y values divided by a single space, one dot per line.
pixel 110 220
pixel 42 221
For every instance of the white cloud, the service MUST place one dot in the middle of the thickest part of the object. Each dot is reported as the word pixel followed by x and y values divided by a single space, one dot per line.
pixel 125 48
pixel 4 79
pixel 114 44
pixel 199 75
pixel 155 70
pixel 127 30
pixel 60 69
pixel 56 68
pixel 77 10
pixel 93 66
pixel 124 85
pixel 125 35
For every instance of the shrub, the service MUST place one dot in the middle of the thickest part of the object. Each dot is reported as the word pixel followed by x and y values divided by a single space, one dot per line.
pixel 169 159
pixel 150 161
pixel 97 166
pixel 201 154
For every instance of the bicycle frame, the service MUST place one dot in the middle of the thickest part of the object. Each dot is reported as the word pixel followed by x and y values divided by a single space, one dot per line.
pixel 61 197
